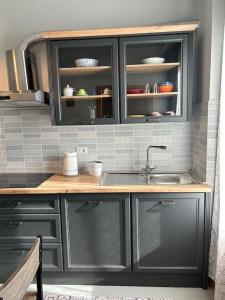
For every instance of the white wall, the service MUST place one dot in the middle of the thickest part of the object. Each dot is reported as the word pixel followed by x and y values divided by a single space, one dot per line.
pixel 18 19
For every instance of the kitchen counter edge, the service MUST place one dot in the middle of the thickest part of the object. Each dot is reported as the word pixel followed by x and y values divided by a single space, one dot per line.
pixel 84 183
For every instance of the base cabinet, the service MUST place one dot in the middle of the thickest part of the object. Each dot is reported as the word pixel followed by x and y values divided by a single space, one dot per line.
pixel 145 239
pixel 96 232
pixel 22 218
pixel 168 233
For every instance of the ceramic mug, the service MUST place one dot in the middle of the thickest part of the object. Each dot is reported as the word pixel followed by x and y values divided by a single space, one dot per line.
pixel 95 168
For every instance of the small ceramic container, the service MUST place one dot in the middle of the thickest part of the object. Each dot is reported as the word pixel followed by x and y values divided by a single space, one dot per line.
pixel 165 87
pixel 107 91
pixel 153 60
pixel 68 91
pixel 86 62
pixel 95 168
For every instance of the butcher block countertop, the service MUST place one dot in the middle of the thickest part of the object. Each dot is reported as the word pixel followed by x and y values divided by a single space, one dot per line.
pixel 84 183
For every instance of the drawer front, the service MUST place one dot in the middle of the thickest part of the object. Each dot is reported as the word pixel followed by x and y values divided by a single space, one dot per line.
pixel 29 204
pixel 25 228
pixel 11 255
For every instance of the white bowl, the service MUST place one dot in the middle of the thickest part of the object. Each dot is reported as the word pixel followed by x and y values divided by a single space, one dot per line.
pixel 86 62
pixel 153 60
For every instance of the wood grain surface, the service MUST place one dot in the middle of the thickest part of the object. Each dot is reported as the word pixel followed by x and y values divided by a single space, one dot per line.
pixel 84 183
pixel 161 28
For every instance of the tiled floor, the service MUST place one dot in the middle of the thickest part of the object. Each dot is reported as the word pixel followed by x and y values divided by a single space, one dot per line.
pixel 170 293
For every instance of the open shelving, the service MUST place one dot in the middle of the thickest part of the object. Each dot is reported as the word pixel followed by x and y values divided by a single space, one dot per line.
pixel 149 68
pixel 88 97
pixel 78 71
pixel 151 95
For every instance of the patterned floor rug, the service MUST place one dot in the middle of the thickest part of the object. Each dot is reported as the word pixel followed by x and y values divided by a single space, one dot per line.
pixel 62 297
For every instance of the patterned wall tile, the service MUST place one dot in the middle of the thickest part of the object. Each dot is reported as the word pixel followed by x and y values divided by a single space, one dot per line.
pixel 28 135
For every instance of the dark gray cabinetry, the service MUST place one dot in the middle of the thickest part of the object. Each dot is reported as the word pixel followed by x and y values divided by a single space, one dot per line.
pixel 21 227
pixel 168 233
pixel 95 105
pixel 22 218
pixel 139 105
pixel 34 204
pixel 97 232
pixel 122 69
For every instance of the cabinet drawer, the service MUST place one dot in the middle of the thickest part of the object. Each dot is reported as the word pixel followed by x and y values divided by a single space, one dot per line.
pixel 29 204
pixel 13 254
pixel 26 227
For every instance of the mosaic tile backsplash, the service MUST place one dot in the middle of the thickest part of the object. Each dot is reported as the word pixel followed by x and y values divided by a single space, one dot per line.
pixel 28 143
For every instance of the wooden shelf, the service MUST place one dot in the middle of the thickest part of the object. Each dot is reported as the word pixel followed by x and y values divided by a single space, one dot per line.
pixel 89 97
pixel 151 95
pixel 148 68
pixel 75 71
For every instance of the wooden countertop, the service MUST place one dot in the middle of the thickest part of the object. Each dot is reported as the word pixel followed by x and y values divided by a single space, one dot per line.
pixel 84 183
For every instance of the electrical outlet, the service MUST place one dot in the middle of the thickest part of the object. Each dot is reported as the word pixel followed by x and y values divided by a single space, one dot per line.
pixel 82 150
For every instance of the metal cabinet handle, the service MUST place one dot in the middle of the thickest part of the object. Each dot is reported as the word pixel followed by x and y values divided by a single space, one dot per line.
pixel 167 202
pixel 88 205
pixel 15 223
pixel 92 202
pixel 17 251
pixel 12 204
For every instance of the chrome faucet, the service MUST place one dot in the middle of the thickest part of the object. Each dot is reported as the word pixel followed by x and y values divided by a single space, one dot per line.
pixel 149 169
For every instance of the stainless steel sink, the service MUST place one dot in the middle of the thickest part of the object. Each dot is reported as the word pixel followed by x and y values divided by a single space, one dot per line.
pixel 142 179
pixel 184 178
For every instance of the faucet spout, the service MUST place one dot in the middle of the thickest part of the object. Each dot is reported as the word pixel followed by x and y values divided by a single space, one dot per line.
pixel 148 168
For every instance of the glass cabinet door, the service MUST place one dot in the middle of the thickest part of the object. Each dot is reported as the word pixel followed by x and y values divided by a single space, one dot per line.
pixel 85 81
pixel 154 78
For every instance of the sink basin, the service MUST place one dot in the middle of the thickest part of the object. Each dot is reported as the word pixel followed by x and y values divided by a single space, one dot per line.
pixel 184 178
pixel 141 179
pixel 123 179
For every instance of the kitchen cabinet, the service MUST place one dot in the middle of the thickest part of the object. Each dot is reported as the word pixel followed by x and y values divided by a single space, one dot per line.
pixel 121 88
pixel 22 218
pixel 141 97
pixel 168 232
pixel 96 232
pixel 96 96
pixel 169 243
pixel 157 239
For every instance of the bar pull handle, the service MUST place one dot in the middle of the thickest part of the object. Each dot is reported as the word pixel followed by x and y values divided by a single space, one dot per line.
pixel 15 223
pixel 167 202
pixel 18 252
pixel 12 204
pixel 88 205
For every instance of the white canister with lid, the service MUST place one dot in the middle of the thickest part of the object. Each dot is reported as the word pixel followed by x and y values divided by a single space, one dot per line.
pixel 70 164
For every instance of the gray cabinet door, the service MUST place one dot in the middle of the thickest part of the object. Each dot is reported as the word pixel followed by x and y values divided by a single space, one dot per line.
pixel 97 232
pixel 168 232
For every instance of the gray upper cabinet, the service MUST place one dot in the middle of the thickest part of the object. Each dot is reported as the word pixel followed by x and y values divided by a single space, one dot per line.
pixel 168 233
pixel 154 90
pixel 95 99
pixel 123 87
pixel 96 232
